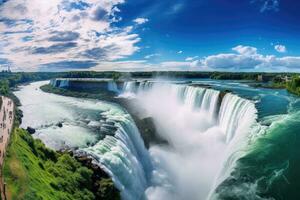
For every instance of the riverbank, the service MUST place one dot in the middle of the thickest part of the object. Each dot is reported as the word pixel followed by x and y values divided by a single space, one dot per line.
pixel 32 171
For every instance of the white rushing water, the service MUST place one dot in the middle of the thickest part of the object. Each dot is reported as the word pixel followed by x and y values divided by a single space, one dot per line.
pixel 103 130
pixel 205 137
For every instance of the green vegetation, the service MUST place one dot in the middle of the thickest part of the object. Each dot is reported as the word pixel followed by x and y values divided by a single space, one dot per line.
pixel 33 171
pixel 176 74
pixel 13 79
pixel 4 87
pixel 293 86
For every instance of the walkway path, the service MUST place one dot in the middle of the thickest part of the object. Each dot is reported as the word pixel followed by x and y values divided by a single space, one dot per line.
pixel 6 125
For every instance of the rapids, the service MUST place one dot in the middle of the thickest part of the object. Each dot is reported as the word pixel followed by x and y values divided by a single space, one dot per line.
pixel 104 131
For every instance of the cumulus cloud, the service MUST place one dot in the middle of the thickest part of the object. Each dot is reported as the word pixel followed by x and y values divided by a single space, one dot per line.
pixel 60 36
pixel 243 58
pixel 246 58
pixel 141 20
pixel 180 52
pixel 245 50
pixel 237 61
pixel 231 61
pixel 280 48
pixel 35 33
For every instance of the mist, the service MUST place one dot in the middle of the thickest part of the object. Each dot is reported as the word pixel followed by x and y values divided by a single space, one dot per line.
pixel 189 165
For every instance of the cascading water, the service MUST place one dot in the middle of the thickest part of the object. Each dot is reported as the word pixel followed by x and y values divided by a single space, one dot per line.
pixel 205 138
pixel 121 152
pixel 61 83
pixel 113 87
pixel 130 87
pixel 235 115
pixel 187 118
pixel 124 157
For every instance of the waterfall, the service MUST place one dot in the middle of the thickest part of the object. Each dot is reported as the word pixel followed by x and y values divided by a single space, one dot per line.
pixel 130 87
pixel 61 83
pixel 191 96
pixel 198 98
pixel 124 157
pixel 236 114
pixel 204 138
pixel 144 86
pixel 201 130
pixel 237 119
pixel 196 124
pixel 112 86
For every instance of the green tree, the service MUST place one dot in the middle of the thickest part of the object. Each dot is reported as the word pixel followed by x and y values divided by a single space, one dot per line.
pixel 4 87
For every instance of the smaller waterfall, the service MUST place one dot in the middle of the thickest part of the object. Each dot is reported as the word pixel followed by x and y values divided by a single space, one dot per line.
pixel 237 119
pixel 124 157
pixel 194 96
pixel 235 114
pixel 130 87
pixel 61 83
pixel 210 102
pixel 112 86
pixel 144 86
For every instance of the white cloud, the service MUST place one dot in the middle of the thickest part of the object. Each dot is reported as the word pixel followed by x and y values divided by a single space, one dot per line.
pixel 180 52
pixel 28 27
pixel 141 65
pixel 141 20
pixel 247 59
pixel 280 48
pixel 245 50
pixel 217 62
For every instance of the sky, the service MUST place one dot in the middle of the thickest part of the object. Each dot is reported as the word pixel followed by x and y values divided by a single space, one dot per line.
pixel 147 35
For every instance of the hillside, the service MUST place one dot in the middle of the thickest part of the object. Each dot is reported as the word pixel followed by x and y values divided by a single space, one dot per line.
pixel 33 171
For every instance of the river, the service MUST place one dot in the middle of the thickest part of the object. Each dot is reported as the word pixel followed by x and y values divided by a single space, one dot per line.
pixel 244 147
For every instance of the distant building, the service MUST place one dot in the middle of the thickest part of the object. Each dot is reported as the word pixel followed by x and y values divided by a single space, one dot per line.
pixel 8 70
pixel 287 78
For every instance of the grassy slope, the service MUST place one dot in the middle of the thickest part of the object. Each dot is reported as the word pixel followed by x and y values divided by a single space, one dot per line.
pixel 30 174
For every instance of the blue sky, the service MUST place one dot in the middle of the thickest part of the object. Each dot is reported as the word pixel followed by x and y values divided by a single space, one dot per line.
pixel 131 35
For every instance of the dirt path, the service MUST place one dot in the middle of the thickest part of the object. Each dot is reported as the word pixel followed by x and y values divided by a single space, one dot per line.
pixel 6 125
